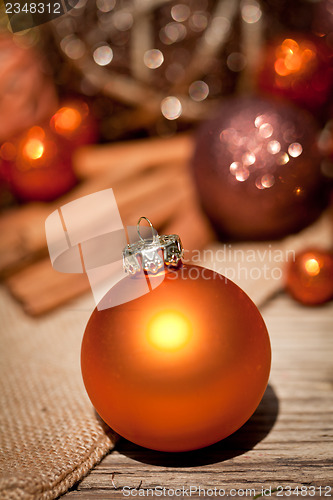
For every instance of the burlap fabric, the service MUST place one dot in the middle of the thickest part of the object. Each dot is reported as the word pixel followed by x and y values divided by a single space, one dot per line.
pixel 50 436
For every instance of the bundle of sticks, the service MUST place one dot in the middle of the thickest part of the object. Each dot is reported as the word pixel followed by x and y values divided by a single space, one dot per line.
pixel 150 177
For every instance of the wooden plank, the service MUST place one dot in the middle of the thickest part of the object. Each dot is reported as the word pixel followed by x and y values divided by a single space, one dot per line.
pixel 287 442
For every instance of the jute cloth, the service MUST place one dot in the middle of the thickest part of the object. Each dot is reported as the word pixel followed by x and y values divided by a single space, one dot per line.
pixel 50 436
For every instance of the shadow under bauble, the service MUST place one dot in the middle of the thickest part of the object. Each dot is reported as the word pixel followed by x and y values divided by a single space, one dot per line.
pixel 238 443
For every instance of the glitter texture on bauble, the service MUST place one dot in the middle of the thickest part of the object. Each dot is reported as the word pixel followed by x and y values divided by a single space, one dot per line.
pixel 257 169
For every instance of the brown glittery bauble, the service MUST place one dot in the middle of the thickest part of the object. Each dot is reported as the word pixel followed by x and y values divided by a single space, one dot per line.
pixel 27 94
pixel 309 278
pixel 257 169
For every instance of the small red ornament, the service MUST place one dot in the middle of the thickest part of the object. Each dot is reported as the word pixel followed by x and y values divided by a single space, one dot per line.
pixel 181 367
pixel 309 278
pixel 298 68
pixel 257 169
pixel 37 165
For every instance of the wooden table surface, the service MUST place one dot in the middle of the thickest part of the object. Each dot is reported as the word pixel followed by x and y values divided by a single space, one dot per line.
pixel 288 442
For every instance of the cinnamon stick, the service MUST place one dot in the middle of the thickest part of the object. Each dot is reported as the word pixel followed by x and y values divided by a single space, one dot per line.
pixel 23 236
pixel 23 230
pixel 130 157
pixel 40 288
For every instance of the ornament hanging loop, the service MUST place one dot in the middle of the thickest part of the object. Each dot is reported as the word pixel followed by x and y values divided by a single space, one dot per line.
pixel 152 255
pixel 155 237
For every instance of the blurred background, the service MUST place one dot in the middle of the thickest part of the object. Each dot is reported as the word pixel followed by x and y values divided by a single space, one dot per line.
pixel 212 118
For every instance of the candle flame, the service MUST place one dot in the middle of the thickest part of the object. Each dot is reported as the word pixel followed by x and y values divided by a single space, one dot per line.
pixel 169 331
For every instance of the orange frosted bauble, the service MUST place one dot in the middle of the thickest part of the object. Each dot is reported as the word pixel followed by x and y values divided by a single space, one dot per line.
pixel 181 367
pixel 310 277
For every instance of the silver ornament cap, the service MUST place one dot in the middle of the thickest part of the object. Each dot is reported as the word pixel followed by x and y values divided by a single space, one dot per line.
pixel 154 254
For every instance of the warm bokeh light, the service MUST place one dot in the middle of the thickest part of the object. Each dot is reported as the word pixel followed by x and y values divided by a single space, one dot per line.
pixel 171 108
pixel 250 144
pixel 312 267
pixel 169 331
pixel 67 120
pixel 153 58
pixel 295 149
pixel 273 147
pixel 34 149
pixel 36 133
pixel 292 58
pixel 282 159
